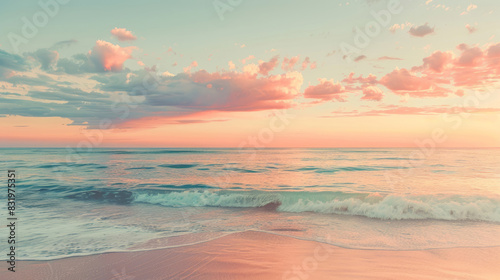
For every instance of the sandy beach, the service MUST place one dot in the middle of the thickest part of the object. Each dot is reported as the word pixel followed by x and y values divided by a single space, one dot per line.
pixel 260 255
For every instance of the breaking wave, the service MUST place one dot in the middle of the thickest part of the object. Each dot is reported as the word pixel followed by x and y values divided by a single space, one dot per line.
pixel 388 207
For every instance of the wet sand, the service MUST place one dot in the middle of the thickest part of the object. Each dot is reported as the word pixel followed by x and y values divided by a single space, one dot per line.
pixel 259 255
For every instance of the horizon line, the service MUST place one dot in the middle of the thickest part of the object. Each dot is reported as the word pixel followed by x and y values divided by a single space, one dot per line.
pixel 254 148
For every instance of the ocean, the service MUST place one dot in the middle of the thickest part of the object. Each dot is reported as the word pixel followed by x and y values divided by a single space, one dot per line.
pixel 116 199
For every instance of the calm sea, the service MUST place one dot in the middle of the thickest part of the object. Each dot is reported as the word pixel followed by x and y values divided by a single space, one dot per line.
pixel 107 200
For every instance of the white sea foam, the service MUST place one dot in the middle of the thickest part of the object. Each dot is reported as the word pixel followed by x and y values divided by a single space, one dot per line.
pixel 206 198
pixel 390 207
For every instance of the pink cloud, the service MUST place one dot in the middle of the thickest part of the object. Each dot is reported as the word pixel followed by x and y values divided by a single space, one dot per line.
pixel 192 65
pixel 401 81
pixel 441 73
pixel 470 56
pixel 123 34
pixel 470 28
pixel 470 77
pixel 246 59
pixel 471 67
pixel 389 58
pixel 372 93
pixel 289 63
pixel 326 90
pixel 469 8
pixel 493 57
pixel 206 94
pixel 433 110
pixel 402 26
pixel 110 57
pixel 438 60
pixel 305 63
pixel 229 91
pixel 356 83
pixel 359 58
pixel 266 67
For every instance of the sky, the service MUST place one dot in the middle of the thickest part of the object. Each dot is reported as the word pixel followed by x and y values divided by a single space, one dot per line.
pixel 249 74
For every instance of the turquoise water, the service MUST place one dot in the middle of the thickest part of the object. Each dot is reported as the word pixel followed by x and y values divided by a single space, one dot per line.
pixel 106 200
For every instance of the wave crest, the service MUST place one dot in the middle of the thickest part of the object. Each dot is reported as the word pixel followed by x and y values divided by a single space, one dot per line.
pixel 389 207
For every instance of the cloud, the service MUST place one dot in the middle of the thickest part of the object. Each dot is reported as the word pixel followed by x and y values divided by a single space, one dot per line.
pixel 470 56
pixel 11 62
pixel 47 58
pixel 266 67
pixel 289 63
pixel 205 91
pixel 470 28
pixel 401 26
pixel 359 58
pixel 63 44
pixel 438 60
pixel 372 93
pixel 123 34
pixel 248 58
pixel 360 82
pixel 305 63
pixel 252 69
pixel 430 110
pixel 188 68
pixel 129 97
pixel 493 54
pixel 253 88
pixel 402 82
pixel 229 91
pixel 149 93
pixel 421 31
pixel 445 72
pixel 326 90
pixel 476 66
pixel 66 102
pixel 104 57
pixel 68 94
pixel 367 85
pixel 191 121
pixel 469 8
pixel 108 57
pixel 389 58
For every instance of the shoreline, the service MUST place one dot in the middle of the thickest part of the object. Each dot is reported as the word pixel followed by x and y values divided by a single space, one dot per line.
pixel 262 255
pixel 145 247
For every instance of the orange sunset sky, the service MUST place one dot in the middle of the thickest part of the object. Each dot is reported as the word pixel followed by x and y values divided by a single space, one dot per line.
pixel 250 74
